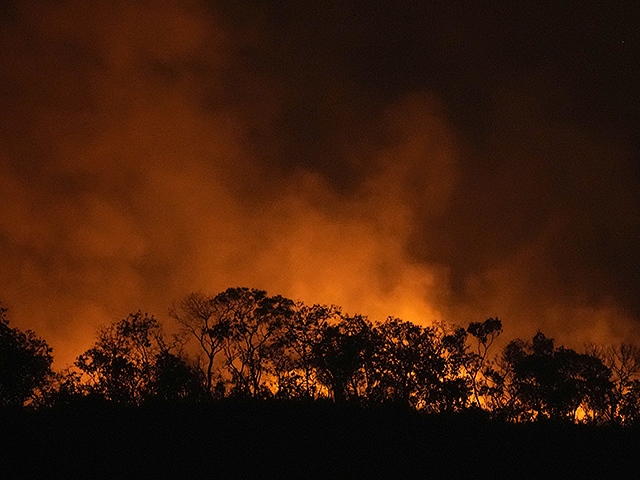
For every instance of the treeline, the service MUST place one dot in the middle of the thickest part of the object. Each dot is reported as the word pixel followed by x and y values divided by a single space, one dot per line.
pixel 243 343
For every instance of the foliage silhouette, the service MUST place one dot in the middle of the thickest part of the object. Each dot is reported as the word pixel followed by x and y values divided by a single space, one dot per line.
pixel 120 365
pixel 419 366
pixel 295 368
pixel 340 355
pixel 620 404
pixel 485 333
pixel 551 383
pixel 257 346
pixel 25 364
pixel 398 358
pixel 246 327
pixel 256 335
pixel 174 379
pixel 297 391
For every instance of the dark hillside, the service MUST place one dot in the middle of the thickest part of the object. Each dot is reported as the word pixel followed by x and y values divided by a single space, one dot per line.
pixel 239 439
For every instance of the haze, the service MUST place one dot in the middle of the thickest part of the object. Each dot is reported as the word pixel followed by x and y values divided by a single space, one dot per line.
pixel 402 158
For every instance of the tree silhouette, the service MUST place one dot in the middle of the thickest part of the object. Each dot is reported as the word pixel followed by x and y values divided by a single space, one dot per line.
pixel 485 334
pixel 397 362
pixel 265 346
pixel 25 364
pixel 174 379
pixel 120 364
pixel 445 388
pixel 340 356
pixel 247 328
pixel 622 404
pixel 296 369
pixel 62 388
pixel 208 321
pixel 552 383
pixel 256 335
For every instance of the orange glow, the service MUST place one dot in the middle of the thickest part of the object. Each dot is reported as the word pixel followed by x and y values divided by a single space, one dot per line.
pixel 153 149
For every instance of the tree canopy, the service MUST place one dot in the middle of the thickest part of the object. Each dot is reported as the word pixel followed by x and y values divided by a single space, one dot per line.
pixel 243 342
pixel 25 363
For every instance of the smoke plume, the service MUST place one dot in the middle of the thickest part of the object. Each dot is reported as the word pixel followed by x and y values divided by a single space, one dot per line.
pixel 428 162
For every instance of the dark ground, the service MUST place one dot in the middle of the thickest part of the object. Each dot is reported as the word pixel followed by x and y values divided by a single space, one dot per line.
pixel 282 440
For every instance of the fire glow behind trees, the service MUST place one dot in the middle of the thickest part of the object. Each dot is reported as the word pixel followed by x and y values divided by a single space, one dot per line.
pixel 396 158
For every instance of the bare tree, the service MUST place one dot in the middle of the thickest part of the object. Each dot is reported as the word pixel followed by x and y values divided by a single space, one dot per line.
pixel 623 405
pixel 242 327
pixel 207 321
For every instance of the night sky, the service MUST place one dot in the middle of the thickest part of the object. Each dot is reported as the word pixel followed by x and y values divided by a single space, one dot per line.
pixel 428 160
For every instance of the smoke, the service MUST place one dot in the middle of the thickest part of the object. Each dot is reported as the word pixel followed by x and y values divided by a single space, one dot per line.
pixel 395 159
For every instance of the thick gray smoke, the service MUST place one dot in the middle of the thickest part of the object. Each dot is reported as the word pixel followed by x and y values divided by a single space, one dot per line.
pixel 396 158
